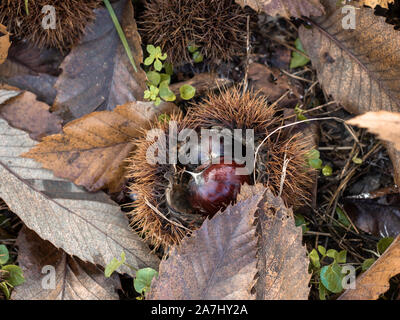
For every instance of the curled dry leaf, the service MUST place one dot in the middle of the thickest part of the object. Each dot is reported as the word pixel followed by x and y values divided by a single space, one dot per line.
pixel 26 113
pixel 217 262
pixel 359 67
pixel 282 259
pixel 74 280
pixel 375 280
pixel 92 150
pixel 87 225
pixel 285 8
pixel 4 43
pixel 97 74
pixel 382 123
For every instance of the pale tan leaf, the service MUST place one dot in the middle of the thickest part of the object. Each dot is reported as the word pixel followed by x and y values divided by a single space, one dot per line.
pixel 374 3
pixel 97 74
pixel 92 150
pixel 282 259
pixel 375 280
pixel 218 261
pixel 27 113
pixel 74 280
pixel 382 123
pixel 359 67
pixel 4 43
pixel 87 225
pixel 6 93
pixel 285 8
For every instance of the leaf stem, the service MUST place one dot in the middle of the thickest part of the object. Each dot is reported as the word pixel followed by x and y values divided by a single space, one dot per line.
pixel 120 33
pixel 26 7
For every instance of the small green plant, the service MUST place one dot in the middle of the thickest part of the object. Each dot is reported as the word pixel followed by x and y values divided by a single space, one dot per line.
pixel 143 278
pixel 10 274
pixel 158 81
pixel 342 218
pixel 196 55
pixel 315 162
pixel 381 247
pixel 329 276
pixel 298 59
pixel 301 222
pixel 155 57
pixel 357 160
pixel 299 113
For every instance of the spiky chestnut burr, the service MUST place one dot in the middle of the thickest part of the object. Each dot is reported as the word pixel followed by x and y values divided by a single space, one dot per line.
pixel 235 109
pixel 168 201
pixel 216 27
pixel 71 19
pixel 161 211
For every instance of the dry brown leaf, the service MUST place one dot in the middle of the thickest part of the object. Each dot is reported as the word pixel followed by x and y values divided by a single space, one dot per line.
pixel 18 75
pixel 382 123
pixel 374 3
pixel 97 74
pixel 285 8
pixel 360 68
pixel 74 280
pixel 92 150
pixel 375 280
pixel 377 219
pixel 26 113
pixel 4 43
pixel 273 84
pixel 217 262
pixel 87 225
pixel 282 259
pixel 32 69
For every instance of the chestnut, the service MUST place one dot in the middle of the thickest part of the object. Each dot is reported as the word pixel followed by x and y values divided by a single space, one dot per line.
pixel 215 187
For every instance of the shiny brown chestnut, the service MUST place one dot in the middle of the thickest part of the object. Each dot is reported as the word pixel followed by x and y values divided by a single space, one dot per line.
pixel 215 187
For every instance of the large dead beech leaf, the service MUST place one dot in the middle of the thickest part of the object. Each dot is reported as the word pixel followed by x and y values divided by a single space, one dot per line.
pixel 217 262
pixel 360 68
pixel 375 280
pixel 374 3
pixel 92 150
pixel 285 8
pixel 87 225
pixel 74 280
pixel 4 43
pixel 26 113
pixel 382 123
pixel 97 74
pixel 282 259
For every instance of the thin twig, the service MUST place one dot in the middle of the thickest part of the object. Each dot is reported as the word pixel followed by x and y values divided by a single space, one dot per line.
pixel 164 217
